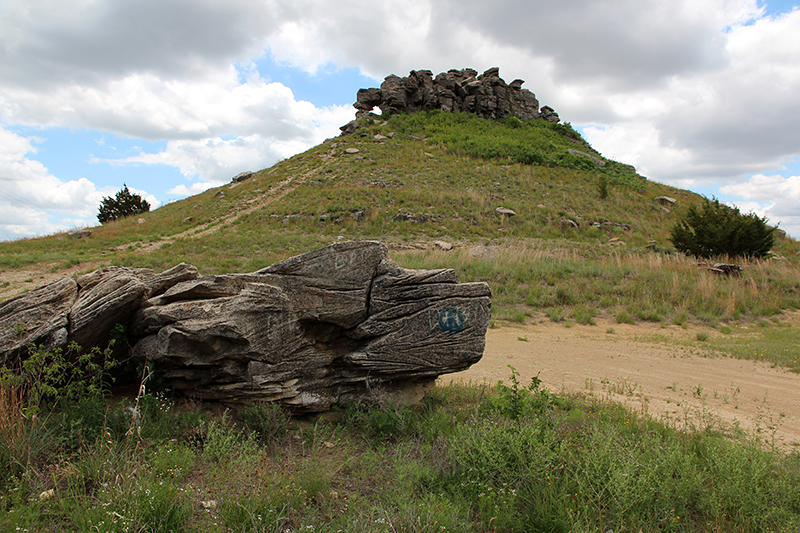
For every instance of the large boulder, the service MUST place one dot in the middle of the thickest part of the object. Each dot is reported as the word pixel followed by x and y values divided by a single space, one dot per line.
pixel 328 325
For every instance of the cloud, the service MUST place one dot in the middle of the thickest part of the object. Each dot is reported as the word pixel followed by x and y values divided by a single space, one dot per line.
pixel 34 202
pixel 774 197
pixel 692 92
pixel 194 188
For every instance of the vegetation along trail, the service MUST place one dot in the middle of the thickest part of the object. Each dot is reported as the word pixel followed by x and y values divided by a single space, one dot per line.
pixel 659 371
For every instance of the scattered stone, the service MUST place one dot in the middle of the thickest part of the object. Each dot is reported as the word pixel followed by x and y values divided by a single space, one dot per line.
pixel 351 150
pixel 242 176
pixel 358 216
pixel 209 504
pixel 329 325
pixel 141 220
pixel 442 245
pixel 569 223
pixel 599 162
pixel 484 252
pixel 80 234
pixel 46 495
pixel 486 95
pixel 406 217
pixel 186 220
pixel 665 210
pixel 379 137
pixel 665 200
pixel 220 194
pixel 504 212
pixel 725 269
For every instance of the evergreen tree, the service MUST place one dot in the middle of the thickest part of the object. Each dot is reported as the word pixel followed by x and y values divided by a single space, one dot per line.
pixel 124 204
pixel 716 229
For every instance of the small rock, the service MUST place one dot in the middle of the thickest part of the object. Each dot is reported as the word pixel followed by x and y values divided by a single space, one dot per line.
pixel 379 137
pixel 141 220
pixel 209 504
pixel 505 212
pixel 358 216
pixel 664 200
pixel 242 176
pixel 569 223
pixel 599 162
pixel 46 495
pixel 220 194
pixel 186 220
pixel 351 150
pixel 79 234
pixel 484 252
pixel 442 245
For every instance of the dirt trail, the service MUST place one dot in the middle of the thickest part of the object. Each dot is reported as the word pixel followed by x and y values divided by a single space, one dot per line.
pixel 663 379
pixel 18 280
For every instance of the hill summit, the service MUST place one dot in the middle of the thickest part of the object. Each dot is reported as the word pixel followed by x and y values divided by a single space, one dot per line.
pixel 486 95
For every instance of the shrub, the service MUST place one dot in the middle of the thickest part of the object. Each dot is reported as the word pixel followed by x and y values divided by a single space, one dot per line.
pixel 717 229
pixel 124 204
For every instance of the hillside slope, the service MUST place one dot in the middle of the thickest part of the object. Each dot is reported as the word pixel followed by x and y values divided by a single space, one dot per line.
pixel 412 180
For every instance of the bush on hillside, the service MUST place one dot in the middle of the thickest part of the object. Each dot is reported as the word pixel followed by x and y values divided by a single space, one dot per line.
pixel 124 204
pixel 715 229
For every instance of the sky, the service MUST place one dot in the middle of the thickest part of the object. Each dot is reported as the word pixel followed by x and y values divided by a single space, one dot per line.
pixel 172 97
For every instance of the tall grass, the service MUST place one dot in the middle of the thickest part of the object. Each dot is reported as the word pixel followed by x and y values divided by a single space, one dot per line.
pixel 640 286
pixel 509 458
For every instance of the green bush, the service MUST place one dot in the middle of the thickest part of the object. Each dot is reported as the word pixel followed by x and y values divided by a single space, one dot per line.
pixel 716 229
pixel 124 204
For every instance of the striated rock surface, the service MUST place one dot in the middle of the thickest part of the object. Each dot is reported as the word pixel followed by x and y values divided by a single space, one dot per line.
pixel 486 95
pixel 307 332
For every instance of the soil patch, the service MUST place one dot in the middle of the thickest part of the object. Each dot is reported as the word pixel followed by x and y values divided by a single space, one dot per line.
pixel 656 371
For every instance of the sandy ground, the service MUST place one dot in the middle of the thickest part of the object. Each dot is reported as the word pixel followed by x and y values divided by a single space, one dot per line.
pixel 649 369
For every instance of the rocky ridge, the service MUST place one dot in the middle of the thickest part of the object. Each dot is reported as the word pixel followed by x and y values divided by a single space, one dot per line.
pixel 486 95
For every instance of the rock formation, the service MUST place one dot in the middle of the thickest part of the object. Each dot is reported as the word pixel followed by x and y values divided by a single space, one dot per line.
pixel 487 96
pixel 309 331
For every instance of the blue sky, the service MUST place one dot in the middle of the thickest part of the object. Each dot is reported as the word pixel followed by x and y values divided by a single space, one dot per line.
pixel 175 96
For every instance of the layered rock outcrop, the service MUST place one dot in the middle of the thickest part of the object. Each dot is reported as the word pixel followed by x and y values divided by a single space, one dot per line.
pixel 486 95
pixel 307 332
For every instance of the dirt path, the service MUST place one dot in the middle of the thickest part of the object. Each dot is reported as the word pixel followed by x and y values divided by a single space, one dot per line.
pixel 665 380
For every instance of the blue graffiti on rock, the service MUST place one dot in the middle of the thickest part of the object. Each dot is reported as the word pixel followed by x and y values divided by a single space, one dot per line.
pixel 451 320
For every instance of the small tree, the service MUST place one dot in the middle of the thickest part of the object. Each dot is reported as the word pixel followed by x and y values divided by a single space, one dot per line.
pixel 124 204
pixel 717 229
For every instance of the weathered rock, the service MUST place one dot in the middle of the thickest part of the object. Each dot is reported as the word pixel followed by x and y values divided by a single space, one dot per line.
pixel 725 269
pixel 486 95
pixel 37 317
pixel 665 200
pixel 242 176
pixel 442 245
pixel 80 234
pixel 484 252
pixel 309 331
pixel 597 161
pixel 505 212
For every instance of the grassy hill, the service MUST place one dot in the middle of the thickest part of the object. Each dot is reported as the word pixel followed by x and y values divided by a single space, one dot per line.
pixel 576 248
pixel 508 458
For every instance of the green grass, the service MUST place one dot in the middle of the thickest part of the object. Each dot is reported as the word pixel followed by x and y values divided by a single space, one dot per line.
pixel 583 282
pixel 777 344
pixel 469 458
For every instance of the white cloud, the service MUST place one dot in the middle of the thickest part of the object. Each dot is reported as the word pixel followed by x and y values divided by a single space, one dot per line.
pixel 33 201
pixel 692 92
pixel 774 197
pixel 194 188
